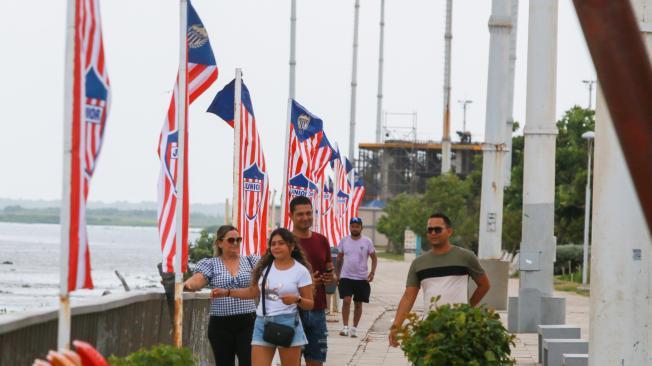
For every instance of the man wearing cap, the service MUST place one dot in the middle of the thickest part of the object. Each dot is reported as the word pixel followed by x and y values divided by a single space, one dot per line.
pixel 354 253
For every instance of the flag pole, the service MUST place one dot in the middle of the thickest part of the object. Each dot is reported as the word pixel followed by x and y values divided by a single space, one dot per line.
pixel 181 108
pixel 237 101
pixel 64 322
pixel 284 191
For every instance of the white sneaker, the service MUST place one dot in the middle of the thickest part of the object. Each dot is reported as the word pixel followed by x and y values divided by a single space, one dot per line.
pixel 353 332
pixel 344 331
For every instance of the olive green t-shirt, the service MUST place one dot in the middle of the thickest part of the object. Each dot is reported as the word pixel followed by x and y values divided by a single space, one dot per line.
pixel 445 275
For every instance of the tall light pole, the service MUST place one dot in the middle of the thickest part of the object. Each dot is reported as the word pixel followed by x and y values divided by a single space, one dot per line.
pixel 589 136
pixel 590 83
pixel 381 60
pixel 293 47
pixel 446 138
pixel 354 80
pixel 464 104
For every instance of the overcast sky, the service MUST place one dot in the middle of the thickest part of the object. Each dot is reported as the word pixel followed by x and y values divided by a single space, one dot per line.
pixel 141 41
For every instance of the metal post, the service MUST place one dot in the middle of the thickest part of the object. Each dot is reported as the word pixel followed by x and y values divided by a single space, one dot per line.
pixel 590 83
pixel 182 107
pixel 589 136
pixel 293 48
pixel 464 104
pixel 272 218
pixel 237 126
pixel 379 103
pixel 446 137
pixel 354 80
pixel 538 240
pixel 493 150
pixel 64 322
pixel 510 89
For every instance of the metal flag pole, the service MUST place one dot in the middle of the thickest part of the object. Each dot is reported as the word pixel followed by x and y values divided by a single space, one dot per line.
pixel 284 189
pixel 354 80
pixel 64 323
pixel 293 48
pixel 181 107
pixel 237 126
pixel 446 138
pixel 381 60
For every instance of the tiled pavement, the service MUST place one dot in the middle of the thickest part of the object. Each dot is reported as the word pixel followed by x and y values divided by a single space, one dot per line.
pixel 371 347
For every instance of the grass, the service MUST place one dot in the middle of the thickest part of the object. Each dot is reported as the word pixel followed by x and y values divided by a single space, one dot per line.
pixel 563 283
pixel 390 256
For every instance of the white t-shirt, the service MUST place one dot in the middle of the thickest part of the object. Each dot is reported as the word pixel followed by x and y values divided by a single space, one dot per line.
pixel 279 283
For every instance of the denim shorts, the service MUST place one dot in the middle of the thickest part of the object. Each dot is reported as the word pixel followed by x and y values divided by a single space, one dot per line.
pixel 314 324
pixel 291 320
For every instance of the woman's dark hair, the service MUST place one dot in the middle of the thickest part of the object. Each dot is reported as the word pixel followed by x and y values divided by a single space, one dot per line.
pixel 219 236
pixel 267 258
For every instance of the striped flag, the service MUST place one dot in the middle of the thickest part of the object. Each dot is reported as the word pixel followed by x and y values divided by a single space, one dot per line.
pixel 358 194
pixel 253 188
pixel 305 132
pixel 328 225
pixel 90 104
pixel 342 167
pixel 201 73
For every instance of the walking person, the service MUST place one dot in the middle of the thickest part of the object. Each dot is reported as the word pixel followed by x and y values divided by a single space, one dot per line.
pixel 231 320
pixel 318 254
pixel 283 273
pixel 354 253
pixel 442 271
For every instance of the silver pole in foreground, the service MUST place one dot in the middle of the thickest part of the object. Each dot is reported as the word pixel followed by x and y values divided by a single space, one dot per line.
pixel 446 138
pixel 63 332
pixel 182 105
pixel 589 136
pixel 354 80
pixel 381 60
pixel 293 48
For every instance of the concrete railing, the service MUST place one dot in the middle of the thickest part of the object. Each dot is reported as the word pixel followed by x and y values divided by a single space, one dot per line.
pixel 115 324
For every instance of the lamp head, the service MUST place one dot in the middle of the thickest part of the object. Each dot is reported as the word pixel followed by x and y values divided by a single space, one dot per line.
pixel 588 135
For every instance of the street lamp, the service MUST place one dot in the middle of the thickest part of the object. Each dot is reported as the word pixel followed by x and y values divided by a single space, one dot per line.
pixel 589 136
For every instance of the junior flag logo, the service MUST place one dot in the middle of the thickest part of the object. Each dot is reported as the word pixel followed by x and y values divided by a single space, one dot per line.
pixel 253 182
pixel 299 185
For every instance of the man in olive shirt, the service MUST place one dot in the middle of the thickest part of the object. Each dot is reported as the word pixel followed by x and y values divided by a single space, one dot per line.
pixel 443 271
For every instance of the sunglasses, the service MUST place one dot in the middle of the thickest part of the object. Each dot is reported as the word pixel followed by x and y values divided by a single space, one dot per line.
pixel 436 229
pixel 233 240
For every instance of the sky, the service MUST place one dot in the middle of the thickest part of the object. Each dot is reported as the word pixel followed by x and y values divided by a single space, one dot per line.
pixel 141 41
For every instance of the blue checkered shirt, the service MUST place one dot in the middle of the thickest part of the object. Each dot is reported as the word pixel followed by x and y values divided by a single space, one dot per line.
pixel 218 276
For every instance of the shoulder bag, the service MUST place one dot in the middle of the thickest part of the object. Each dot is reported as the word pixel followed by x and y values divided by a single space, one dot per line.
pixel 275 333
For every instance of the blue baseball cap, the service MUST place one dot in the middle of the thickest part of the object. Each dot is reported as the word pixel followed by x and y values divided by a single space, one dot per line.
pixel 355 220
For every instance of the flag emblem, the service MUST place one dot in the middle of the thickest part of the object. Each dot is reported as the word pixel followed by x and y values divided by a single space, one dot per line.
pixel 197 36
pixel 301 186
pixel 253 180
pixel 302 122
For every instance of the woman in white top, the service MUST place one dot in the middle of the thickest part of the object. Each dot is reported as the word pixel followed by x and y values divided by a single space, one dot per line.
pixel 288 286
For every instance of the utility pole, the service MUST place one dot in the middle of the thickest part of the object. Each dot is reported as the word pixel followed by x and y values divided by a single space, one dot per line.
pixel 293 48
pixel 590 83
pixel 535 304
pixel 464 104
pixel 446 138
pixel 381 60
pixel 354 81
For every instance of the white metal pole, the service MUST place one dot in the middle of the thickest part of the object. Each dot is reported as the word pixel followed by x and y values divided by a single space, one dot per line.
pixel 354 80
pixel 284 189
pixel 510 89
pixel 493 150
pixel 64 322
pixel 182 107
pixel 621 265
pixel 272 218
pixel 587 211
pixel 540 134
pixel 237 126
pixel 446 138
pixel 293 47
pixel 379 103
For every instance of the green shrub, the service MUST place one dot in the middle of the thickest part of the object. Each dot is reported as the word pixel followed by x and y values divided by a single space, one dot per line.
pixel 457 335
pixel 202 247
pixel 160 355
pixel 568 253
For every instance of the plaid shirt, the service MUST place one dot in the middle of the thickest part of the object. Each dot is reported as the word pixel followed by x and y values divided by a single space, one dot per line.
pixel 218 276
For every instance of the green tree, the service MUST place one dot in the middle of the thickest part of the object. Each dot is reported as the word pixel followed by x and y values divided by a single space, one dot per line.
pixel 202 247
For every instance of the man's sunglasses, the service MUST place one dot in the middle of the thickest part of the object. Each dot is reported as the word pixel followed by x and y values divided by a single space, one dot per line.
pixel 233 240
pixel 436 229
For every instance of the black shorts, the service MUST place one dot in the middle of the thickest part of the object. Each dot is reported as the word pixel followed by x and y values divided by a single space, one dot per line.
pixel 359 289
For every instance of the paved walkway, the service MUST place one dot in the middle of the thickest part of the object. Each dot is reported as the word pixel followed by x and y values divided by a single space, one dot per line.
pixel 371 347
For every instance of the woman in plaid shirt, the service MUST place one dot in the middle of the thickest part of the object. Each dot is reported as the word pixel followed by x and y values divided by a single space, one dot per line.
pixel 231 320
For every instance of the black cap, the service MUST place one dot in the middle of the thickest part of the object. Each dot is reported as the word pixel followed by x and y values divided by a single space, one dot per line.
pixel 355 220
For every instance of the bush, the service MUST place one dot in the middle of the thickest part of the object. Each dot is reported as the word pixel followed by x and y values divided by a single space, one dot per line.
pixel 161 355
pixel 202 247
pixel 568 253
pixel 456 335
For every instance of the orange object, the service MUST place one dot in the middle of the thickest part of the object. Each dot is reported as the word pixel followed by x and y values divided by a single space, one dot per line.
pixel 89 355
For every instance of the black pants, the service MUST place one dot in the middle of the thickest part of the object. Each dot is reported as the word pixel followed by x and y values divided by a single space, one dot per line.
pixel 231 336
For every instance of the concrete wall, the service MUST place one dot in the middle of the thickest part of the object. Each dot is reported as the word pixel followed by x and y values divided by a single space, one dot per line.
pixel 115 324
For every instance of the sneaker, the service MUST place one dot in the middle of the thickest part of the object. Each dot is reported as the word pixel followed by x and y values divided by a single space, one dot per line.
pixel 344 331
pixel 353 332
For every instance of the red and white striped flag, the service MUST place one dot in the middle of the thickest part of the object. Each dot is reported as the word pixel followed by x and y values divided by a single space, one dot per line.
pixel 358 195
pixel 342 167
pixel 253 187
pixel 305 132
pixel 329 227
pixel 90 104
pixel 201 72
